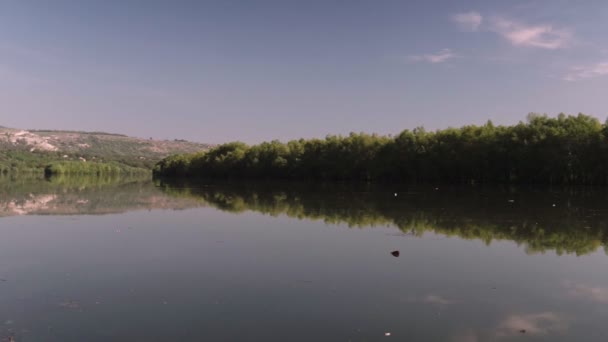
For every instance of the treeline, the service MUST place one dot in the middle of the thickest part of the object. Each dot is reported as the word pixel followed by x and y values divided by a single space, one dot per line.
pixel 92 168
pixel 560 220
pixel 560 150
pixel 19 162
pixel 77 132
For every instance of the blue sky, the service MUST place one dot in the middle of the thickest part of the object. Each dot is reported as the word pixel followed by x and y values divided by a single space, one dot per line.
pixel 217 71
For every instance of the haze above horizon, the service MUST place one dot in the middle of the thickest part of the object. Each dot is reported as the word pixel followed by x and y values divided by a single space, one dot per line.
pixel 218 71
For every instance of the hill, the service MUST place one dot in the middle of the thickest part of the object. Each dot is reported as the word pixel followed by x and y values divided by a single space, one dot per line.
pixel 35 149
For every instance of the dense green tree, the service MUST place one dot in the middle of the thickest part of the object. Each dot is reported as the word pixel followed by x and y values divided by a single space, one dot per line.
pixel 91 168
pixel 560 150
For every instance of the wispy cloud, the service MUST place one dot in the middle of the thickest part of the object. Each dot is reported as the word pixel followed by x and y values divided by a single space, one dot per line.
pixel 585 72
pixel 543 36
pixel 469 21
pixel 433 299
pixel 438 300
pixel 434 58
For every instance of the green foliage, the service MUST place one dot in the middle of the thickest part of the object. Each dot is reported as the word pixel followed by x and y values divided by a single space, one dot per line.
pixel 561 150
pixel 20 162
pixel 92 168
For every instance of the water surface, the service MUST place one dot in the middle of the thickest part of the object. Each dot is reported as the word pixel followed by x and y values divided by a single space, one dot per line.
pixel 137 260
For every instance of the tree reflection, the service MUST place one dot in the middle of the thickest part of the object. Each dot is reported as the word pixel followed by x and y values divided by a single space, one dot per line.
pixel 562 220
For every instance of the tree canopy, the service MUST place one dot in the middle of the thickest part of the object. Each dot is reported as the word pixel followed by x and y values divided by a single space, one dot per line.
pixel 560 150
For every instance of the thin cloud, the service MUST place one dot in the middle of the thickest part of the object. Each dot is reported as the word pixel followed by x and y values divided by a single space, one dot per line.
pixel 542 36
pixel 585 72
pixel 432 299
pixel 438 300
pixel 434 58
pixel 469 21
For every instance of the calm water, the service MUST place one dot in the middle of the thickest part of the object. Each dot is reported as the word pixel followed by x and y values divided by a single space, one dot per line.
pixel 132 260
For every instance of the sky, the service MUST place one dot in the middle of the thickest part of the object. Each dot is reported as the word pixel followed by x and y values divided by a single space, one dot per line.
pixel 255 70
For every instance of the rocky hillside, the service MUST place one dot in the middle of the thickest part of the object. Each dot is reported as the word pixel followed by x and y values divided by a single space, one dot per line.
pixel 88 146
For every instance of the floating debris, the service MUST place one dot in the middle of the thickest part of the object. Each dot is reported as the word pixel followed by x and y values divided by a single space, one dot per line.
pixel 395 254
pixel 395 194
pixel 387 334
pixel 523 331
pixel 511 201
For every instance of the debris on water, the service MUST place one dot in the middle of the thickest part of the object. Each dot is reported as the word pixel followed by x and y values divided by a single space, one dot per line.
pixel 2 279
pixel 554 204
pixel 387 334
pixel 395 254
pixel 523 331
pixel 395 194
pixel 511 201
pixel 436 188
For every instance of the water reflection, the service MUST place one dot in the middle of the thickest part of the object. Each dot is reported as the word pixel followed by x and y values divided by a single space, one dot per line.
pixel 565 220
pixel 233 274
pixel 546 324
pixel 542 323
pixel 585 291
pixel 82 196
pixel 573 221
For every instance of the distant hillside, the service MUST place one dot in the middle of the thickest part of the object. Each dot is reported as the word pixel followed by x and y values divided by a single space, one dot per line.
pixel 33 148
